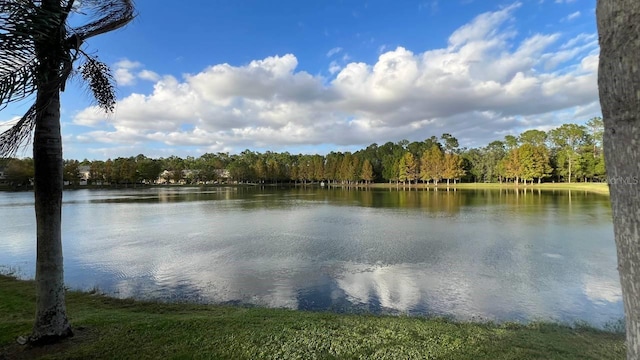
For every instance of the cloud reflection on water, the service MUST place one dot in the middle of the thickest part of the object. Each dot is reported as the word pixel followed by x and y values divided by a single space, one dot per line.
pixel 494 256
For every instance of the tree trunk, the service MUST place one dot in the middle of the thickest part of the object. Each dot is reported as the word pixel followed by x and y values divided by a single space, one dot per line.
pixel 51 321
pixel 51 316
pixel 619 87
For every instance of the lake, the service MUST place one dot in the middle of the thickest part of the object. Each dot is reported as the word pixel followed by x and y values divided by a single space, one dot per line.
pixel 498 255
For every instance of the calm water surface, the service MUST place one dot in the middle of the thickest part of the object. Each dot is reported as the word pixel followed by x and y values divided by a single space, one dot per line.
pixel 476 254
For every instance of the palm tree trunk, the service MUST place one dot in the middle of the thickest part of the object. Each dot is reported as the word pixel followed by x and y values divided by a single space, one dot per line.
pixel 619 87
pixel 51 316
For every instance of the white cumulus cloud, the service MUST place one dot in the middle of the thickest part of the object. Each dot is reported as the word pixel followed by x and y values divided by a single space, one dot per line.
pixel 483 84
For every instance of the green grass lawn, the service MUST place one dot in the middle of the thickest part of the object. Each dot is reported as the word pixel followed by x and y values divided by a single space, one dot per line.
pixel 108 328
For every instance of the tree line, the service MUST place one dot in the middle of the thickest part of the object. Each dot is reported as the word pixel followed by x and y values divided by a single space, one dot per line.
pixel 568 153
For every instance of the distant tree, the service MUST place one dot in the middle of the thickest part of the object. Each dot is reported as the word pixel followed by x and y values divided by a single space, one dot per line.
pixel 260 169
pixel 494 153
pixel 391 168
pixel 511 166
pixel 390 157
pixel 596 130
pixel 450 142
pixel 432 141
pixel 318 167
pixel 526 161
pixel 148 169
pixel 175 166
pixel 589 166
pixel 476 164
pixel 452 167
pixel 127 173
pixel 416 148
pixel 294 172
pixel 243 165
pixel 373 153
pixel 238 170
pixel 97 172
pixel 19 172
pixel 331 167
pixel 511 142
pixel 408 168
pixel 403 174
pixel 567 139
pixel 305 168
pixel 367 172
pixel 432 165
pixel 533 162
pixel 355 169
pixel 273 168
pixel 533 137
pixel 346 168
pixel 71 172
pixel 541 163
pixel 284 162
pixel 108 171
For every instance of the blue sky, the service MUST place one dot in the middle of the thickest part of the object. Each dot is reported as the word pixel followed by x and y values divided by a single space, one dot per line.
pixel 317 76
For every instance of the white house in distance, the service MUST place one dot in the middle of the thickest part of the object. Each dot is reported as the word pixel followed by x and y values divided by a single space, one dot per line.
pixel 166 177
pixel 84 172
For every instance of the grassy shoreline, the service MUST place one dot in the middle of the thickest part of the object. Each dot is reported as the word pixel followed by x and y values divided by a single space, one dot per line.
pixel 112 328
pixel 599 188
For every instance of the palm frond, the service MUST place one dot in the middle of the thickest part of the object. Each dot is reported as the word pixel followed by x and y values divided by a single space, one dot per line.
pixel 26 24
pixel 22 23
pixel 108 15
pixel 18 134
pixel 17 53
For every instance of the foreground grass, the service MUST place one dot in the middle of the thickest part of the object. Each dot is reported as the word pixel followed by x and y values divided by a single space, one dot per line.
pixel 121 329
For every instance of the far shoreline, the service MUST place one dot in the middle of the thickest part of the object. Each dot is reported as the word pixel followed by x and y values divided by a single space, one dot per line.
pixel 599 188
pixel 591 187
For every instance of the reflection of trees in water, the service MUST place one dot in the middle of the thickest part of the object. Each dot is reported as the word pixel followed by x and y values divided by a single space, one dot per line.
pixel 433 200
pixel 437 201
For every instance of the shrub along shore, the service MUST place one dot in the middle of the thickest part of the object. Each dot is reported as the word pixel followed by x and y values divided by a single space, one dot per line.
pixel 108 328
